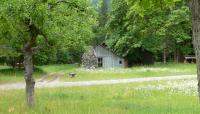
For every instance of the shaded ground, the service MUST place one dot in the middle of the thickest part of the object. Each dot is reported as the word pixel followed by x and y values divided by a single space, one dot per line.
pixel 54 81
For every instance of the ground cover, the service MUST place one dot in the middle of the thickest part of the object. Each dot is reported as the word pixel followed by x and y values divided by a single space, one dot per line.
pixel 159 97
pixel 8 74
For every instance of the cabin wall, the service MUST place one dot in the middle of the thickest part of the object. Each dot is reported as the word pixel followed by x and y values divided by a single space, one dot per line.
pixel 109 59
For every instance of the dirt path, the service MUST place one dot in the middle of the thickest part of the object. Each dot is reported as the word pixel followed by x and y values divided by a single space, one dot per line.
pixel 57 83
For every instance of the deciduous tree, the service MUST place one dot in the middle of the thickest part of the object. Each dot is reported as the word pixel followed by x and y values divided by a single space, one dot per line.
pixel 27 24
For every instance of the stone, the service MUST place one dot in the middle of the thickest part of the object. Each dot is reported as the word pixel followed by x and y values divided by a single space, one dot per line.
pixel 89 60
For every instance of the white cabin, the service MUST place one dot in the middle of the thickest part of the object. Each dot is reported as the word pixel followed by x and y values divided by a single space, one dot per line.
pixel 107 59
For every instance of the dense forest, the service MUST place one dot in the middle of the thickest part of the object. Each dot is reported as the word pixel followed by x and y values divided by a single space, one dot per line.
pixel 161 35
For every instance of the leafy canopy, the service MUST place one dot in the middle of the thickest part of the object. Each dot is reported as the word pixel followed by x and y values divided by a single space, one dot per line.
pixel 131 32
pixel 52 22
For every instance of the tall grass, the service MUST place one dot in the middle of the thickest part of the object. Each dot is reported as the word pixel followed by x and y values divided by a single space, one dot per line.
pixel 158 69
pixel 8 74
pixel 113 99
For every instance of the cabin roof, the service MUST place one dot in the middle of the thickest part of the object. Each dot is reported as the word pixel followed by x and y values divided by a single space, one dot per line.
pixel 103 45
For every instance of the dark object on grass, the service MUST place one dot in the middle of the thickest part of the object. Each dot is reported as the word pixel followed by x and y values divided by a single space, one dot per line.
pixel 72 75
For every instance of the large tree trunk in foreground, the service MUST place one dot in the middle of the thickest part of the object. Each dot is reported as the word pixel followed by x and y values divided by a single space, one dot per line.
pixel 195 10
pixel 30 83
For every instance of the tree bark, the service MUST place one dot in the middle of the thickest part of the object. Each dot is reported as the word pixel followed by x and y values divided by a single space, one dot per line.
pixel 164 55
pixel 175 56
pixel 30 83
pixel 195 10
pixel 178 55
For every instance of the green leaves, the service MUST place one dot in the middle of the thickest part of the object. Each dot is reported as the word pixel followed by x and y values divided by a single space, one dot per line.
pixel 148 25
pixel 68 23
pixel 143 7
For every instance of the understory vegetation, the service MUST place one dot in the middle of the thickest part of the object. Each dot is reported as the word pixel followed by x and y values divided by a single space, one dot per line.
pixel 8 74
pixel 163 97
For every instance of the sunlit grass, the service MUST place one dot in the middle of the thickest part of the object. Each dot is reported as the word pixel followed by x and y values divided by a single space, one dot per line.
pixel 170 69
pixel 112 99
pixel 58 68
pixel 9 75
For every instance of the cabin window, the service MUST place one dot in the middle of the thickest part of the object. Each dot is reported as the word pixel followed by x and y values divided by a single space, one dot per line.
pixel 120 62
pixel 100 62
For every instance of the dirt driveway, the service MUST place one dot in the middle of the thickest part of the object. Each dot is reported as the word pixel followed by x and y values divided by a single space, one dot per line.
pixel 42 83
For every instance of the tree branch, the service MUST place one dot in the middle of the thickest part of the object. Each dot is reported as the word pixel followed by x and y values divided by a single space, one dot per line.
pixel 46 39
pixel 37 48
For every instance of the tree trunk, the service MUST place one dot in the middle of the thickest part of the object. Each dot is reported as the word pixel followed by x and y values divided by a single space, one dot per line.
pixel 13 63
pixel 195 10
pixel 30 83
pixel 175 56
pixel 165 56
pixel 178 56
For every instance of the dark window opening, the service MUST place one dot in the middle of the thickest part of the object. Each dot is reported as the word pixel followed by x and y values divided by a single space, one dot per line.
pixel 100 62
pixel 120 62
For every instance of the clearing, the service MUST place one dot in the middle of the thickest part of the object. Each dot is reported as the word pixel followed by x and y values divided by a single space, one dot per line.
pixel 51 72
pixel 157 89
pixel 155 97
pixel 43 83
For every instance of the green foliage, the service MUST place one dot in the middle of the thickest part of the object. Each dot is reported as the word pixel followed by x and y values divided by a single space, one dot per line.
pixel 138 26
pixel 65 23
pixel 143 7
pixel 100 32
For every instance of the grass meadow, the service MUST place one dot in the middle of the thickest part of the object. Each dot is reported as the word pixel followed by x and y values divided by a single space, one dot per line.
pixel 163 97
pixel 8 74
pixel 156 97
